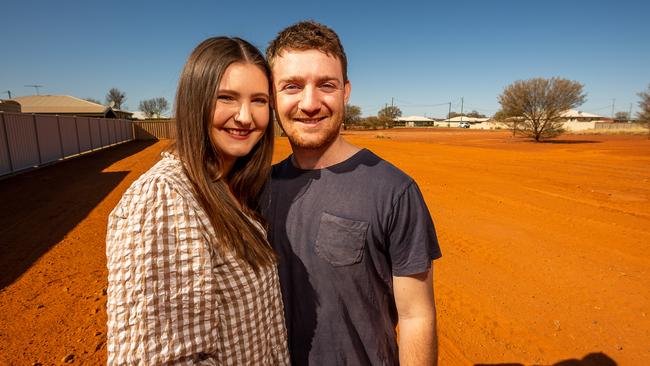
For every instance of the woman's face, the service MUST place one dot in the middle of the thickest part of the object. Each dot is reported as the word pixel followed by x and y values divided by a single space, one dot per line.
pixel 241 111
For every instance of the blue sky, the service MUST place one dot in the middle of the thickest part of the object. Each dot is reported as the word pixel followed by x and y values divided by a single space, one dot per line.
pixel 419 54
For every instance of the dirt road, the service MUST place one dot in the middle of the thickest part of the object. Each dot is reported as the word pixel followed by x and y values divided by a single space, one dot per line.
pixel 545 246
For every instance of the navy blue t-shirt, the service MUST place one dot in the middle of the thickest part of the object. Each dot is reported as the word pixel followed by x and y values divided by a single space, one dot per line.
pixel 341 233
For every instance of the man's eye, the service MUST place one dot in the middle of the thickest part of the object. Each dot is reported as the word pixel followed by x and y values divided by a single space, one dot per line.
pixel 291 87
pixel 328 87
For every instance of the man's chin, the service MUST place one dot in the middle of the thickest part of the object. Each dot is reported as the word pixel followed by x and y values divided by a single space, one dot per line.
pixel 311 142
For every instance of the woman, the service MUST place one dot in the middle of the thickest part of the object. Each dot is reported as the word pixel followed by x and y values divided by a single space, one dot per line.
pixel 192 279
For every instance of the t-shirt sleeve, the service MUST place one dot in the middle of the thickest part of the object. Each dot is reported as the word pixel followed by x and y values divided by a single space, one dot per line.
pixel 412 241
pixel 160 309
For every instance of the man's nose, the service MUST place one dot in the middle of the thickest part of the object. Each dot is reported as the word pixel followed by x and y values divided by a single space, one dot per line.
pixel 310 101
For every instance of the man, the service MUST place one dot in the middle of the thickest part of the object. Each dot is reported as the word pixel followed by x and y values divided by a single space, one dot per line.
pixel 354 237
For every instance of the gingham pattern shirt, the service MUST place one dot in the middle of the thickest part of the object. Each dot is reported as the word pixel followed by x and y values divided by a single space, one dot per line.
pixel 173 299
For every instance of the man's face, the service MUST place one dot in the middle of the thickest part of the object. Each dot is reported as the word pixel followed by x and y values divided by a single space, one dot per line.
pixel 310 96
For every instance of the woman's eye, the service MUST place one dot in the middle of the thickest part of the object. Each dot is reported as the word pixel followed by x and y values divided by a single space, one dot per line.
pixel 260 101
pixel 225 98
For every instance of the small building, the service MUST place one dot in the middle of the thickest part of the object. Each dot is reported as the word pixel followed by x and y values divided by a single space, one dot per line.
pixel 414 121
pixel 455 121
pixel 572 115
pixel 9 106
pixel 65 105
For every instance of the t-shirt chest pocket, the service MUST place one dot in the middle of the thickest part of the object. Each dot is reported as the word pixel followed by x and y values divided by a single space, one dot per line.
pixel 341 241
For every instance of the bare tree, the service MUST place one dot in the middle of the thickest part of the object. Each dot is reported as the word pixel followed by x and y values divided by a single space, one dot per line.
pixel 154 107
pixel 352 115
pixel 540 103
pixel 390 112
pixel 644 104
pixel 622 116
pixel 115 98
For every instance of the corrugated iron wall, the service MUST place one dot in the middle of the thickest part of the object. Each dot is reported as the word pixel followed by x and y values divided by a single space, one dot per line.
pixel 166 129
pixel 154 129
pixel 30 140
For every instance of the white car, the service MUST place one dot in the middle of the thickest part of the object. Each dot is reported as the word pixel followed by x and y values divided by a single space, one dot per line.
pixel 463 125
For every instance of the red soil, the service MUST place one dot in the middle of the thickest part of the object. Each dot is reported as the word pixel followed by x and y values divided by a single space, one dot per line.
pixel 545 246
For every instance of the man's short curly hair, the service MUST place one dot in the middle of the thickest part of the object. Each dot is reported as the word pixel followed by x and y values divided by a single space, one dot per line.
pixel 308 35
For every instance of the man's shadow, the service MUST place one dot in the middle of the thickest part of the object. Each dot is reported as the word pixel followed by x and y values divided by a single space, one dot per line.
pixel 592 359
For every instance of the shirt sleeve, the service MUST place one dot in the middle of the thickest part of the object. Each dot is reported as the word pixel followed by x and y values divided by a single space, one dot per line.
pixel 161 309
pixel 413 243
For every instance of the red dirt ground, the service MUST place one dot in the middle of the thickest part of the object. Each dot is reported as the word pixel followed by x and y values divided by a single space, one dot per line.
pixel 545 246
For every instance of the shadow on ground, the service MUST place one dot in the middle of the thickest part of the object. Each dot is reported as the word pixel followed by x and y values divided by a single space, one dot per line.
pixel 592 359
pixel 570 142
pixel 40 207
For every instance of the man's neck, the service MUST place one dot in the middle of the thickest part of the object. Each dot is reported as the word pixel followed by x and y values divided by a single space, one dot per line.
pixel 310 159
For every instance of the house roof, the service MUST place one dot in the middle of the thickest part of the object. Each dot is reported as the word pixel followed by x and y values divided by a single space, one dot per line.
pixel 466 119
pixel 572 113
pixel 58 104
pixel 414 119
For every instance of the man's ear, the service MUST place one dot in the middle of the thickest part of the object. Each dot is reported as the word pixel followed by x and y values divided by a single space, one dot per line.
pixel 346 90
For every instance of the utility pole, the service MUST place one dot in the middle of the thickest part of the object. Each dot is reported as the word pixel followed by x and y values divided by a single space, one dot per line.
pixel 9 93
pixel 461 109
pixel 629 114
pixel 613 105
pixel 391 102
pixel 35 87
pixel 449 114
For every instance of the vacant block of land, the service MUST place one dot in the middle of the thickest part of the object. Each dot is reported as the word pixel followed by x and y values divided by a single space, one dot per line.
pixel 545 246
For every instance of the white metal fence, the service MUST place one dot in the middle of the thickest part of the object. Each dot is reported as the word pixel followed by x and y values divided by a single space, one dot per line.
pixel 31 140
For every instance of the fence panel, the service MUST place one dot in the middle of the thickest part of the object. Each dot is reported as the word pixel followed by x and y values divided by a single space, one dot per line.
pixel 69 142
pixel 23 146
pixel 49 142
pixel 95 140
pixel 154 130
pixel 5 159
pixel 103 132
pixel 84 133
pixel 110 124
pixel 127 132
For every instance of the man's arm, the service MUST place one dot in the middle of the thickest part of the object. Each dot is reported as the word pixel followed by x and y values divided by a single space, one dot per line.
pixel 418 342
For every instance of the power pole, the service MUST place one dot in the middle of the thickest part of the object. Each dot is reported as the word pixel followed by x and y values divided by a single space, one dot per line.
pixel 9 93
pixel 449 114
pixel 613 105
pixel 391 102
pixel 629 114
pixel 35 87
pixel 461 109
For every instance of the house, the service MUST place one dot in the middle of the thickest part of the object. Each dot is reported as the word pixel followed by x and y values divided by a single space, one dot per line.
pixel 572 115
pixel 65 105
pixel 9 106
pixel 455 121
pixel 414 121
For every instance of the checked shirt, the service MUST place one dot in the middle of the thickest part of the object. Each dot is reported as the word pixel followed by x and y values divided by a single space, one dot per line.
pixel 173 298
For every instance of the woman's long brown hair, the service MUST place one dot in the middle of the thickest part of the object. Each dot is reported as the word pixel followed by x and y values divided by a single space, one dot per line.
pixel 231 200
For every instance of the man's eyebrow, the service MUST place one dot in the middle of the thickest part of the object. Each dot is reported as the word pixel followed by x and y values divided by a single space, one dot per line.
pixel 294 79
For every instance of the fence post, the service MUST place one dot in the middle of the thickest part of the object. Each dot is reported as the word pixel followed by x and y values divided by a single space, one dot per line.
pixel 58 125
pixel 38 145
pixel 76 131
pixel 99 124
pixel 4 126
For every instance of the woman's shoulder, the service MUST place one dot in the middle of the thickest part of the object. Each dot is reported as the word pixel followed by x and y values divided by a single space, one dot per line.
pixel 166 176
